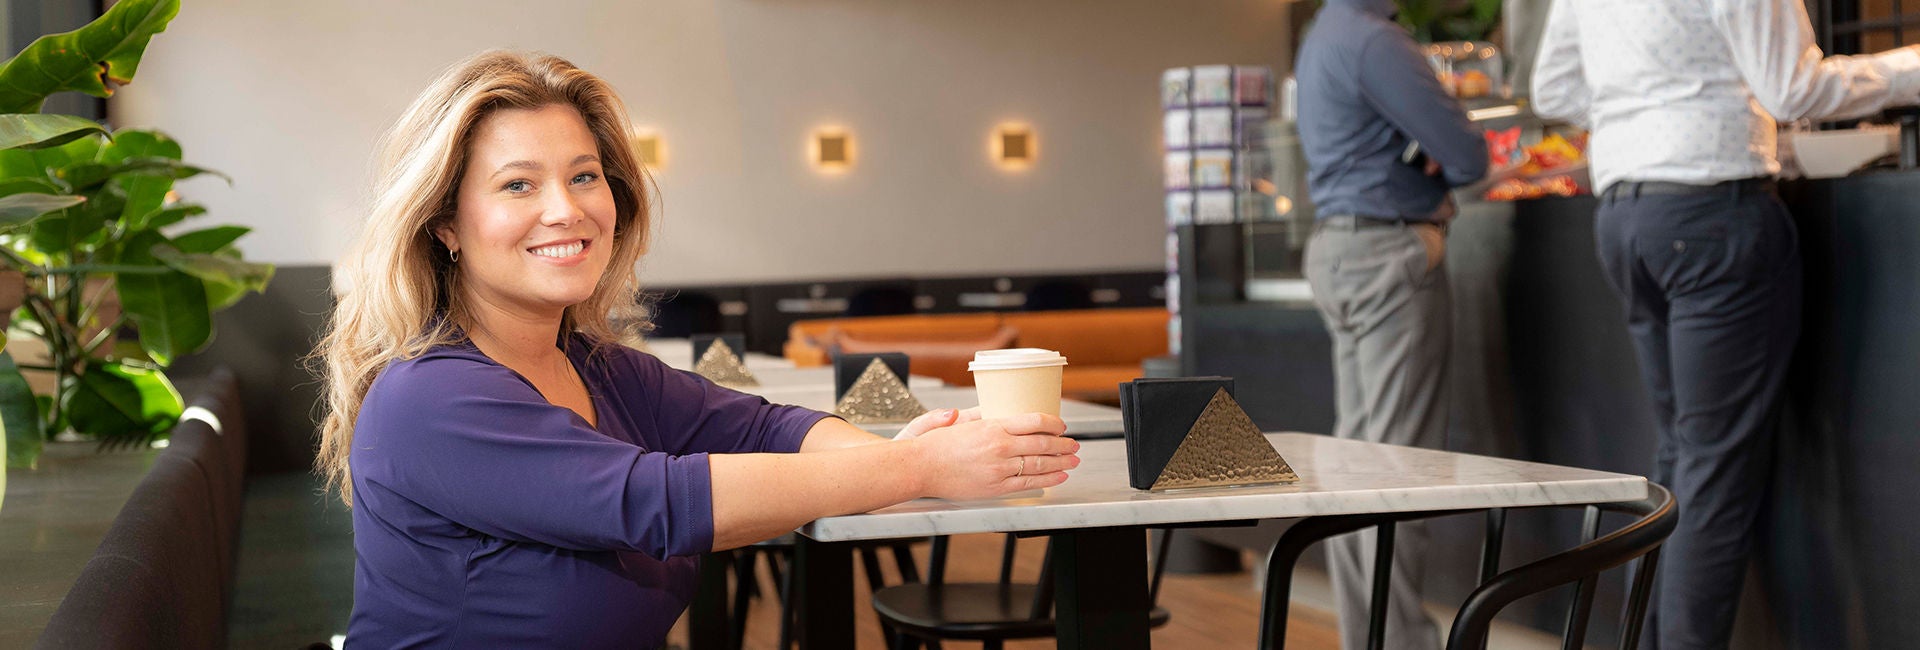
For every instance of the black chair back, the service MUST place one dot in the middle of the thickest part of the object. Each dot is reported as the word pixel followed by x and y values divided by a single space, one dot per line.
pixel 1656 517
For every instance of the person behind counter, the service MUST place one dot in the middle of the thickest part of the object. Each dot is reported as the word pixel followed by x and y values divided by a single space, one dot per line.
pixel 1682 97
pixel 1376 263
pixel 518 479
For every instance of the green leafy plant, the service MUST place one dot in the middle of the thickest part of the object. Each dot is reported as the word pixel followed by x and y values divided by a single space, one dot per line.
pixel 87 219
pixel 1433 21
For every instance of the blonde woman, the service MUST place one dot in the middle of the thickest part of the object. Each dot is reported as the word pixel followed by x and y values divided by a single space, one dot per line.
pixel 516 478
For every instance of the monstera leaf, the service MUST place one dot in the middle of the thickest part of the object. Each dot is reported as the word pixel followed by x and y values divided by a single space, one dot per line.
pixel 92 59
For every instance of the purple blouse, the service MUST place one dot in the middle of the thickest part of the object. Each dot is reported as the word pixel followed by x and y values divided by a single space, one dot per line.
pixel 486 517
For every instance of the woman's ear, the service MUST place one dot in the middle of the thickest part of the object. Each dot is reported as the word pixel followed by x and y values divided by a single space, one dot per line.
pixel 444 232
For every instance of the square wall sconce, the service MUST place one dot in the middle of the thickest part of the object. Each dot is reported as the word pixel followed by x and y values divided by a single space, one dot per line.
pixel 831 150
pixel 1013 146
pixel 649 148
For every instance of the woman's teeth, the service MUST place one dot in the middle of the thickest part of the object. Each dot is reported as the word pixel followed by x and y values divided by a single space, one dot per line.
pixel 560 250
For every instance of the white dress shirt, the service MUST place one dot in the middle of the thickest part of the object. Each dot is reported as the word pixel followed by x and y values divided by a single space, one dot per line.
pixel 1688 91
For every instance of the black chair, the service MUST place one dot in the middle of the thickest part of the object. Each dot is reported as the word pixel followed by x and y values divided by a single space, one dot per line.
pixel 778 554
pixel 1641 538
pixel 1657 515
pixel 990 612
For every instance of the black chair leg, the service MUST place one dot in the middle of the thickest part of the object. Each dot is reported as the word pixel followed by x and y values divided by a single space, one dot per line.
pixel 743 592
pixel 787 611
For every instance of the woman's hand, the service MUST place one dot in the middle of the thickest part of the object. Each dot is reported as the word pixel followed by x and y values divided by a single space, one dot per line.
pixel 935 419
pixel 977 459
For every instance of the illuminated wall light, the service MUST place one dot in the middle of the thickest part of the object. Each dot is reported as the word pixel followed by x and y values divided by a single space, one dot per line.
pixel 650 149
pixel 831 150
pixel 1013 146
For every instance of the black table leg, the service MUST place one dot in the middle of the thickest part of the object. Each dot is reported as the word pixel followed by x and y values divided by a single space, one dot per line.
pixel 823 593
pixel 707 615
pixel 1101 578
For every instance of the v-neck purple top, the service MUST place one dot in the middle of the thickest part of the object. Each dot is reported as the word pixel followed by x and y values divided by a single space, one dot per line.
pixel 485 516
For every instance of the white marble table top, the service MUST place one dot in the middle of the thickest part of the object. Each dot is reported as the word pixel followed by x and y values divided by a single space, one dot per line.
pixel 678 353
pixel 1336 477
pixel 1083 419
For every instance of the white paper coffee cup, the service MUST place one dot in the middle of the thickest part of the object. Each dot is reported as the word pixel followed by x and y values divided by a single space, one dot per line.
pixel 1020 380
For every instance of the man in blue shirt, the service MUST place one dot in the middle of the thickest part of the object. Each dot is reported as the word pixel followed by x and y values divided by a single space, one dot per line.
pixel 1384 145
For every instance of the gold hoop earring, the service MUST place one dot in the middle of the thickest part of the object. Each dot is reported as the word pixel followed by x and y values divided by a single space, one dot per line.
pixel 453 255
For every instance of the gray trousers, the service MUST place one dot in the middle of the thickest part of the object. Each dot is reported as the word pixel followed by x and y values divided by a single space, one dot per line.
pixel 1391 322
pixel 1712 287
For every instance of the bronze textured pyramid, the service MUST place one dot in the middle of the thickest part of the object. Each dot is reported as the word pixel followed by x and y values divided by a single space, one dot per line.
pixel 1224 448
pixel 721 365
pixel 879 396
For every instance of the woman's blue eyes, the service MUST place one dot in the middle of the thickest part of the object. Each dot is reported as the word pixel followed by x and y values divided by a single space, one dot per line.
pixel 518 187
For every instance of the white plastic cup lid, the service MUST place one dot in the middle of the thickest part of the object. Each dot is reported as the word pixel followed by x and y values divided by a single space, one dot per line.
pixel 1015 359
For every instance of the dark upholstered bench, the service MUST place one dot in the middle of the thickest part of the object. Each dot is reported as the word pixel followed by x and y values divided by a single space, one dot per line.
pixel 163 575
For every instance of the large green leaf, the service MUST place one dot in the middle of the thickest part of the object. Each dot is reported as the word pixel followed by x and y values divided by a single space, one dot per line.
pixel 68 229
pixel 145 192
pixel 122 404
pixel 168 216
pixel 106 50
pixel 169 309
pixel 20 209
pixel 46 163
pixel 215 268
pixel 27 185
pixel 41 131
pixel 21 414
pixel 209 240
pixel 86 176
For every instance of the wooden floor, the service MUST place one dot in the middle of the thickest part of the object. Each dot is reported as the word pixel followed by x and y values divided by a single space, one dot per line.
pixel 1214 611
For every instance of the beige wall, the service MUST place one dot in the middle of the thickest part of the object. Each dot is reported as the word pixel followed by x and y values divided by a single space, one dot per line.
pixel 289 97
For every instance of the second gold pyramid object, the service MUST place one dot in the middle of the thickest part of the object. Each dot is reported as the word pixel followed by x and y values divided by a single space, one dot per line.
pixel 878 396
pixel 720 364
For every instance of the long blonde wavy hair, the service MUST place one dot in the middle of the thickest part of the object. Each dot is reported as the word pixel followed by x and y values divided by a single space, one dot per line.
pixel 400 294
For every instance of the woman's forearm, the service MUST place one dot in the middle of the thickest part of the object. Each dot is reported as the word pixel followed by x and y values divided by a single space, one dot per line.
pixel 834 433
pixel 761 496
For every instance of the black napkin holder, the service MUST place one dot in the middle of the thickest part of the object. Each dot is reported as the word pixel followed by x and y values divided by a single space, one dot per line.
pixel 1189 432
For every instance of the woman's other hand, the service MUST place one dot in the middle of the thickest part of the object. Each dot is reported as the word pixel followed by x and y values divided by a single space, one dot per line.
pixel 977 459
pixel 935 419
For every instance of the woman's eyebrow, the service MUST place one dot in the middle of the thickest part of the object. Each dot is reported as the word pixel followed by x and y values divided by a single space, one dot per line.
pixel 534 166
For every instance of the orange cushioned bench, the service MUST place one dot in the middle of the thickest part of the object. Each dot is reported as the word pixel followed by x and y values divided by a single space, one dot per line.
pixel 1104 347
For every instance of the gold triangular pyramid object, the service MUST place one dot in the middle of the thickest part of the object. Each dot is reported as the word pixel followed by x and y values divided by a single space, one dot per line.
pixel 1224 448
pixel 878 396
pixel 721 365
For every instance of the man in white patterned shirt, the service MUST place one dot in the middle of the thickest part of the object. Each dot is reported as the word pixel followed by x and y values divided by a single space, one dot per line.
pixel 1682 97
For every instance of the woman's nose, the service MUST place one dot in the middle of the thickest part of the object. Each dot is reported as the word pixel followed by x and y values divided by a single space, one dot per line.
pixel 561 209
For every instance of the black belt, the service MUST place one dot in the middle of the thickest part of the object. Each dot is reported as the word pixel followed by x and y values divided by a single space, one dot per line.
pixel 1732 188
pixel 1361 222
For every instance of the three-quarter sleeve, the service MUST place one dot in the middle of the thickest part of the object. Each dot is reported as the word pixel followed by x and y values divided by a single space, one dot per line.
pixel 692 414
pixel 475 443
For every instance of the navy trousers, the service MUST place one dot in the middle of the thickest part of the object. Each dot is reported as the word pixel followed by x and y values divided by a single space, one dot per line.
pixel 1712 287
